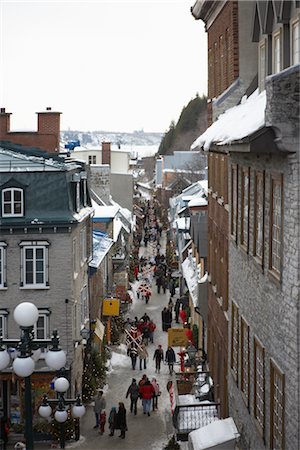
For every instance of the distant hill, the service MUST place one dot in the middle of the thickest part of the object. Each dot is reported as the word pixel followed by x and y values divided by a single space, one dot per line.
pixel 95 138
pixel 191 123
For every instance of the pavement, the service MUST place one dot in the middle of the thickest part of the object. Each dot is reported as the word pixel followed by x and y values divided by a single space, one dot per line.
pixel 151 433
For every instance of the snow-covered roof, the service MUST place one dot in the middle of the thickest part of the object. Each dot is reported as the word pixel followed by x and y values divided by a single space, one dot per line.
pixel 197 201
pixel 117 228
pixel 236 123
pixel 101 246
pixel 191 278
pixel 216 433
pixel 105 212
pixel 182 223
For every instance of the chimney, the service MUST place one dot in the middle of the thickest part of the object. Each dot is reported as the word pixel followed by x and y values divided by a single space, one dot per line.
pixel 106 153
pixel 4 123
pixel 49 123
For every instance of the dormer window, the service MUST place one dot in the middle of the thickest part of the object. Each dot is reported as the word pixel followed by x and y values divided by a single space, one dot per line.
pixel 12 202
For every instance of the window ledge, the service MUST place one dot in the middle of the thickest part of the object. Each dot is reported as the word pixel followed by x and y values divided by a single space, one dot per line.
pixel 220 201
pixel 214 195
pixel 275 278
pixel 34 287
pixel 226 206
pixel 3 288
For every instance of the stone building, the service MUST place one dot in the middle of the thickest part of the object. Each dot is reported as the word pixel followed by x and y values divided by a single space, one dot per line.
pixel 260 137
pixel 45 224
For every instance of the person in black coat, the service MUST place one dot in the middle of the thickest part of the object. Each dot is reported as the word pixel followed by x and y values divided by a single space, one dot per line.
pixel 164 318
pixel 121 423
pixel 170 358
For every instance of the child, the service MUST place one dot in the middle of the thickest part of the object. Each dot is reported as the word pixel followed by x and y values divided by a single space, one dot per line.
pixel 112 420
pixel 102 421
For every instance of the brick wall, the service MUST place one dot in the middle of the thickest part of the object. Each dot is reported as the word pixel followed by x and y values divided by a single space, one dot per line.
pixel 223 50
pixel 46 137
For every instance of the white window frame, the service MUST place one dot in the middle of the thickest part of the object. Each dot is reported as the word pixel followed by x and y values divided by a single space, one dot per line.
pixel 75 258
pixel 35 245
pixel 13 202
pixel 45 315
pixel 277 52
pixel 84 193
pixel 83 251
pixel 77 197
pixel 262 64
pixel 3 318
pixel 3 246
pixel 295 43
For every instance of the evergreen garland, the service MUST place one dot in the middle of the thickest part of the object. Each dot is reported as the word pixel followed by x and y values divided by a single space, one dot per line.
pixel 172 444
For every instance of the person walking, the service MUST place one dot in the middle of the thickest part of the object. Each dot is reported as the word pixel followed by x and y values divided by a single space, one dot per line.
pixel 143 355
pixel 168 319
pixel 132 352
pixel 100 404
pixel 146 392
pixel 170 358
pixel 133 392
pixel 158 356
pixel 172 287
pixel 177 309
pixel 156 393
pixel 102 421
pixel 152 328
pixel 121 423
pixel 112 420
pixel 163 318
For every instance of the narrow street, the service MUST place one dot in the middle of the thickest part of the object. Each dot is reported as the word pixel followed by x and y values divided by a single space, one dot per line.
pixel 143 432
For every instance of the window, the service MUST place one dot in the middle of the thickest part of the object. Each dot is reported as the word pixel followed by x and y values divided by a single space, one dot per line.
pixel 84 193
pixel 84 307
pixel 77 199
pixel 34 264
pixel 234 200
pixel 245 207
pixel 276 407
pixel 276 221
pixel 92 159
pixel 12 202
pixel 262 66
pixel 3 246
pixel 259 385
pixel 245 361
pixel 3 323
pixel 75 258
pixel 83 245
pixel 235 340
pixel 41 327
pixel 277 63
pixel 295 42
pixel 259 223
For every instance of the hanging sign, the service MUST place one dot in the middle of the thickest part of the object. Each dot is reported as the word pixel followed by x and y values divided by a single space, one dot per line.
pixel 111 307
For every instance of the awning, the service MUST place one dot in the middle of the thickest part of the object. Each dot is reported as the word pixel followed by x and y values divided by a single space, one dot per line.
pixel 190 276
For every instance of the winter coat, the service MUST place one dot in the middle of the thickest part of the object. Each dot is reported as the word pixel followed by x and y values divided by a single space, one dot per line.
pixel 155 387
pixel 158 354
pixel 100 403
pixel 121 423
pixel 170 356
pixel 112 417
pixel 142 352
pixel 147 391
pixel 133 391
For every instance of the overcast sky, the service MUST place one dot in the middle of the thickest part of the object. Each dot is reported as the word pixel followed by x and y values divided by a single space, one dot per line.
pixel 114 65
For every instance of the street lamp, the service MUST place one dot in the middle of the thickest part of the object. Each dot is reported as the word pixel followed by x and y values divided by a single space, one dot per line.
pixel 61 385
pixel 28 350
pixel 191 351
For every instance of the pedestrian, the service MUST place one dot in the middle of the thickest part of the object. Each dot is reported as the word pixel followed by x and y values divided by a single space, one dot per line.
pixel 168 319
pixel 146 392
pixel 121 423
pixel 133 393
pixel 112 420
pixel 152 328
pixel 143 355
pixel 102 421
pixel 172 287
pixel 147 296
pixel 164 284
pixel 100 404
pixel 163 318
pixel 133 355
pixel 158 356
pixel 4 430
pixel 170 305
pixel 136 272
pixel 146 333
pixel 142 381
pixel 170 359
pixel 156 393
pixel 145 317
pixel 177 309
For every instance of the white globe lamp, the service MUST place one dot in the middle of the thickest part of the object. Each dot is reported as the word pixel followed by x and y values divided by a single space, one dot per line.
pixel 23 366
pixel 4 359
pixel 36 354
pixel 45 411
pixel 78 411
pixel 26 314
pixel 61 415
pixel 61 384
pixel 55 359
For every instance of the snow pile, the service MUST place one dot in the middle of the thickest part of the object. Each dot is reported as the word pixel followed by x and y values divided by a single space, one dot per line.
pixel 236 123
pixel 119 360
pixel 216 433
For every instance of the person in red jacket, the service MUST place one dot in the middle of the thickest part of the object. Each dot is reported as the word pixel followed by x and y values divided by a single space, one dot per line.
pixel 147 391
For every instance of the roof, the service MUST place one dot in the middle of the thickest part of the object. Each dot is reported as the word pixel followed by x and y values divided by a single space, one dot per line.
pixel 197 201
pixel 101 246
pixel 216 433
pixel 103 213
pixel 236 123
pixel 182 223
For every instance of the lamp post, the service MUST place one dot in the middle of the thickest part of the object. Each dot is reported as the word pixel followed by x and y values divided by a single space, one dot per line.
pixel 26 315
pixel 61 385
pixel 191 351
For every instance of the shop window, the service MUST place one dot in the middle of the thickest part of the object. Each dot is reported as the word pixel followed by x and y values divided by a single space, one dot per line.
pixel 259 385
pixel 276 407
